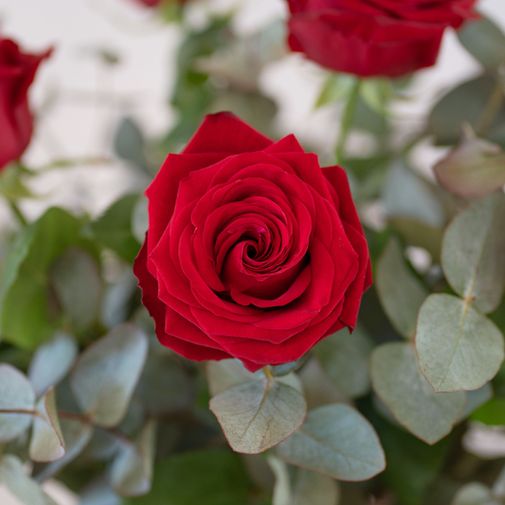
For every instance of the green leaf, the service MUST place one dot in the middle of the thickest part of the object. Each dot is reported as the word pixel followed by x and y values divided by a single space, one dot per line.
pixel 474 169
pixel 106 374
pixel 335 440
pixel 344 357
pixel 76 280
pixel 51 362
pixel 225 374
pixel 13 475
pixel 484 40
pixel 28 315
pixel 47 442
pixel 400 292
pixel 475 399
pixel 400 385
pixel 475 494
pixel 457 348
pixel 16 393
pixel 448 115
pixel 377 94
pixel 129 143
pixel 114 228
pixel 12 186
pixel 213 477
pixel 491 413
pixel 259 413
pixel 132 469
pixel 473 252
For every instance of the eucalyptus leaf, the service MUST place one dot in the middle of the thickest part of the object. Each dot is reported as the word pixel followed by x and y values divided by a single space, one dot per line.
pixel 51 362
pixel 132 470
pixel 227 373
pixel 400 292
pixel 344 357
pixel 13 475
pixel 335 440
pixel 76 435
pixel 129 143
pixel 399 383
pixel 258 414
pixel 16 394
pixel 457 347
pixel 473 253
pixel 77 284
pixel 47 442
pixel 315 488
pixel 448 115
pixel 106 374
pixel 484 40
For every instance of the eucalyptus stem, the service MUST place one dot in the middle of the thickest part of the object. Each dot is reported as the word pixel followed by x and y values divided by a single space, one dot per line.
pixel 17 213
pixel 347 119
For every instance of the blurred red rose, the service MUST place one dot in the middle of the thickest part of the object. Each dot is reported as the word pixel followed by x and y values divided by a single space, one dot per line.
pixel 374 37
pixel 253 250
pixel 149 3
pixel 17 71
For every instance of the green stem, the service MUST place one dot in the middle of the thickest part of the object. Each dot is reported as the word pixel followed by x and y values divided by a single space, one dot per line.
pixel 347 119
pixel 17 213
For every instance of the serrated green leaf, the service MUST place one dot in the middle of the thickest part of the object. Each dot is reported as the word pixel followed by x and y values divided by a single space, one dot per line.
pixel 28 315
pixel 400 292
pixel 344 357
pixel 106 374
pixel 16 394
pixel 457 348
pixel 51 362
pixel 13 475
pixel 132 469
pixel 473 252
pixel 47 442
pixel 399 383
pixel 337 441
pixel 259 413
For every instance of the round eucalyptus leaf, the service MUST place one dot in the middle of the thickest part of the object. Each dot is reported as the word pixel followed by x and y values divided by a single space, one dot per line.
pixel 106 374
pixel 16 394
pixel 399 383
pixel 337 441
pixel 258 414
pixel 47 442
pixel 473 253
pixel 51 362
pixel 457 347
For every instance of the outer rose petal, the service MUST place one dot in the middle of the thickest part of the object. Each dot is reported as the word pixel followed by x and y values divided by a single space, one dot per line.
pixel 374 37
pixel 17 72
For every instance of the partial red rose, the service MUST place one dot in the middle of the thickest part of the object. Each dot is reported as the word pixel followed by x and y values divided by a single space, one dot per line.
pixel 253 250
pixel 374 37
pixel 17 72
pixel 156 3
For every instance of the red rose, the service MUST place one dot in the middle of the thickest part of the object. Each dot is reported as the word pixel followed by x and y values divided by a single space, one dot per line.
pixel 17 71
pixel 374 37
pixel 149 3
pixel 253 251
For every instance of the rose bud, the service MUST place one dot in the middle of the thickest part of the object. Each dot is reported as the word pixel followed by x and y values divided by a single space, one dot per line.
pixel 374 37
pixel 253 250
pixel 17 71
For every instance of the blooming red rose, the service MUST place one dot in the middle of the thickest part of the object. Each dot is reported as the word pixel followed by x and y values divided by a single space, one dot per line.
pixel 374 37
pixel 253 250
pixel 17 71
